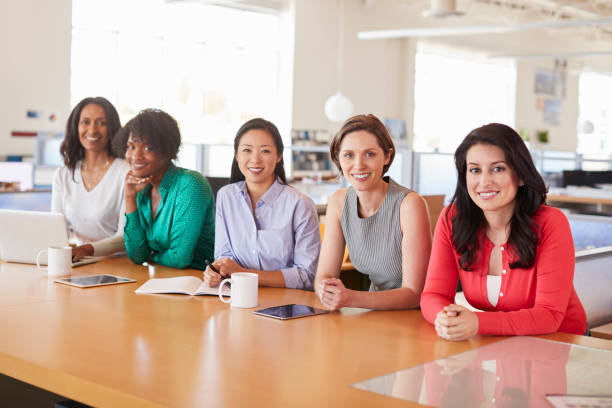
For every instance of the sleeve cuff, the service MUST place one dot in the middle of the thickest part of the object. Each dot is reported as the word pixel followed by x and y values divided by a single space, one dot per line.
pixel 109 245
pixel 295 278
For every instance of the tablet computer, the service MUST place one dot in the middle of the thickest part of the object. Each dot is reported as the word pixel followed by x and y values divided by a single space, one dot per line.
pixel 291 311
pixel 94 280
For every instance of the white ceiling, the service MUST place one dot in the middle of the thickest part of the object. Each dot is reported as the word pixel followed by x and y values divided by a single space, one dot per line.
pixel 592 46
pixel 589 45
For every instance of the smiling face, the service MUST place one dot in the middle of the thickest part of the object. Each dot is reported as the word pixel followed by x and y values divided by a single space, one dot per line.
pixel 491 183
pixel 362 159
pixel 257 157
pixel 143 160
pixel 93 131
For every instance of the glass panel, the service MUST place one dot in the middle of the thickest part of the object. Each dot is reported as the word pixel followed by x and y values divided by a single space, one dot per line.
pixel 515 372
pixel 554 165
pixel 595 113
pixel 219 160
pixel 187 157
pixel 437 174
pixel 590 231
pixel 550 154
pixel 595 166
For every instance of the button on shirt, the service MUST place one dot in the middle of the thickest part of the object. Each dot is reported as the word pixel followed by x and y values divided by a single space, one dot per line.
pixel 281 234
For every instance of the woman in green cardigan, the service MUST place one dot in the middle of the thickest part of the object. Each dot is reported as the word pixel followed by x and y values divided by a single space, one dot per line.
pixel 169 210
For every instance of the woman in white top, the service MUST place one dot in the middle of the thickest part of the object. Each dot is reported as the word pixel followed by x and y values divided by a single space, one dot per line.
pixel 89 188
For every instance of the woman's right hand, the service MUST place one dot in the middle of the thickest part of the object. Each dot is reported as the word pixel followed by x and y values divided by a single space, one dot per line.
pixel 133 184
pixel 81 251
pixel 212 278
pixel 333 294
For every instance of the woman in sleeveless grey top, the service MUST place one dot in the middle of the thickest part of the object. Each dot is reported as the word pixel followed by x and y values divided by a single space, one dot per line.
pixel 384 225
pixel 375 243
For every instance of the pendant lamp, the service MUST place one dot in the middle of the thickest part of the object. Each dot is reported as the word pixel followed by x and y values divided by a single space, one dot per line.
pixel 338 107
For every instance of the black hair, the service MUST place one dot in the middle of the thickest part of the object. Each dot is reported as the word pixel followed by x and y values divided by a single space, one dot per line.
pixel 155 127
pixel 469 218
pixel 269 127
pixel 71 149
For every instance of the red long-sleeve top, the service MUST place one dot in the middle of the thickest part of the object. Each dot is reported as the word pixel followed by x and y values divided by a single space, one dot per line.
pixel 537 300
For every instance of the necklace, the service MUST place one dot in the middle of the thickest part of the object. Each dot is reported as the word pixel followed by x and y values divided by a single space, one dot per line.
pixel 92 177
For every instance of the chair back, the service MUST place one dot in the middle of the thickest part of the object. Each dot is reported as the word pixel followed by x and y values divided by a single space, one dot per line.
pixel 435 204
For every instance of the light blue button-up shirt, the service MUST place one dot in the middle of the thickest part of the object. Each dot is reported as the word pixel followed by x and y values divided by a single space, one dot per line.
pixel 283 233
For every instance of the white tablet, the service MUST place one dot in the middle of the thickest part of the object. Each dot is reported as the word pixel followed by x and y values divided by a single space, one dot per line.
pixel 291 311
pixel 94 280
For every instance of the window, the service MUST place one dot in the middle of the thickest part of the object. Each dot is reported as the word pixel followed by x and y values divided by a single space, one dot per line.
pixel 595 116
pixel 210 67
pixel 455 95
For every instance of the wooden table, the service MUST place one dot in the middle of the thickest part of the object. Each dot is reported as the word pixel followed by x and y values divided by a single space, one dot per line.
pixel 598 202
pixel 107 346
pixel 604 331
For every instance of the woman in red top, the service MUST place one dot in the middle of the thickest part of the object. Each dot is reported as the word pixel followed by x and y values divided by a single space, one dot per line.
pixel 514 255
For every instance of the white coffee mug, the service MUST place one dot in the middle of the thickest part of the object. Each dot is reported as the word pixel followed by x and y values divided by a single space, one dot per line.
pixel 243 290
pixel 59 260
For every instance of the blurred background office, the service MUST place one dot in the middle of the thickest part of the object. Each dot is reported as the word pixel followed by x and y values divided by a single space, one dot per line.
pixel 215 64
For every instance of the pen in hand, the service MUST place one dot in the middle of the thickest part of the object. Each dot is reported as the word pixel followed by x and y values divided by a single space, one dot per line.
pixel 211 266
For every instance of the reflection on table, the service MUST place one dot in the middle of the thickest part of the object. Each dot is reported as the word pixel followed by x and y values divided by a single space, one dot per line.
pixel 516 372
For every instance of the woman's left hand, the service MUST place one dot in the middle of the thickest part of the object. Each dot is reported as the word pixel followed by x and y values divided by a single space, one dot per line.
pixel 333 294
pixel 456 323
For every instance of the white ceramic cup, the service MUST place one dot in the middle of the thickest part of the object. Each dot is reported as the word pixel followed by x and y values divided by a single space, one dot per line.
pixel 243 290
pixel 59 260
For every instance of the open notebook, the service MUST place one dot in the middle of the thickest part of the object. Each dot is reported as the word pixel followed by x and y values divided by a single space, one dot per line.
pixel 186 285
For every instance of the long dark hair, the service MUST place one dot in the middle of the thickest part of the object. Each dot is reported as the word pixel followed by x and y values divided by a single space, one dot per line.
pixel 260 124
pixel 71 149
pixel 469 218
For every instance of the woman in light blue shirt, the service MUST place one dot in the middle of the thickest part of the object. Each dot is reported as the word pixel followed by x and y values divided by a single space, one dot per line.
pixel 263 225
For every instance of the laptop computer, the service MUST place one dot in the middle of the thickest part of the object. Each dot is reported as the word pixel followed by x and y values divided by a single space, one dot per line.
pixel 23 234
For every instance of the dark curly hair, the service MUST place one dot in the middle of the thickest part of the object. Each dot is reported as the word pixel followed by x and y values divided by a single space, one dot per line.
pixel 269 127
pixel 71 149
pixel 469 218
pixel 155 127
pixel 370 124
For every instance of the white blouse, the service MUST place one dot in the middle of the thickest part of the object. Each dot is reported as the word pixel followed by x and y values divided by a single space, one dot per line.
pixel 493 287
pixel 96 217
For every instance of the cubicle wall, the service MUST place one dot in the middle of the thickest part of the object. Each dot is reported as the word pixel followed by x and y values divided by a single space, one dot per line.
pixel 593 283
pixel 26 200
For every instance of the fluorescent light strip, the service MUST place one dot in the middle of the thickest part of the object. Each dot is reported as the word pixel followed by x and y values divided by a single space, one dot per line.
pixel 577 54
pixel 473 30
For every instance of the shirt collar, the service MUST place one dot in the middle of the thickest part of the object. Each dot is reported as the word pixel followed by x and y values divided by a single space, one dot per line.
pixel 168 179
pixel 269 196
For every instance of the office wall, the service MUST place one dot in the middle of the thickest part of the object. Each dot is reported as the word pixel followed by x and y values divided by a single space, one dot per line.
pixel 377 75
pixel 35 68
pixel 530 109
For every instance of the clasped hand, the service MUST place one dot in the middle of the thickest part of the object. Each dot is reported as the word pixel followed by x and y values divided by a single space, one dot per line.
pixel 333 294
pixel 456 323
pixel 225 266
